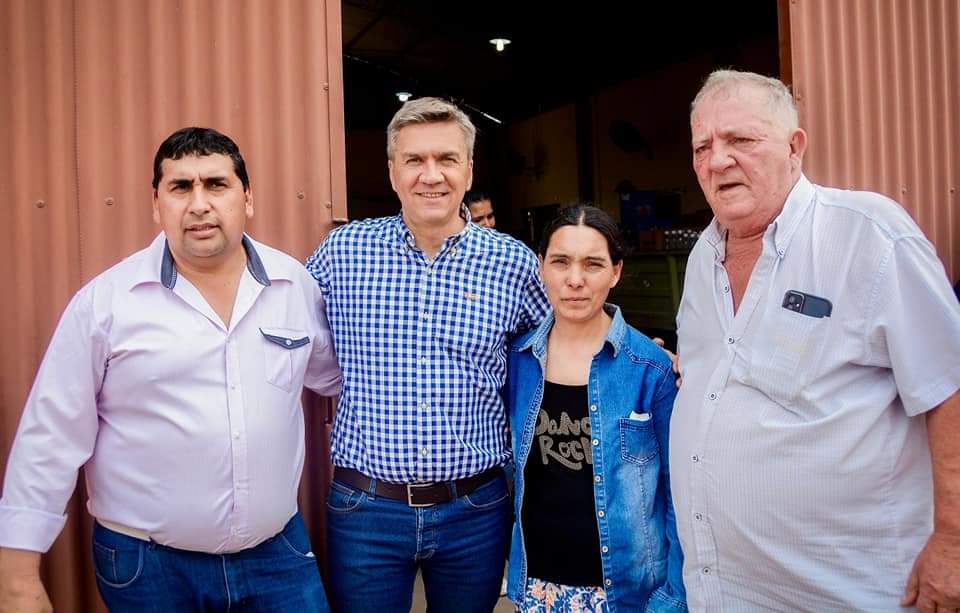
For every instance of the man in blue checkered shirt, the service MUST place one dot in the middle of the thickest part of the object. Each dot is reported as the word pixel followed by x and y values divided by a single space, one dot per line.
pixel 421 305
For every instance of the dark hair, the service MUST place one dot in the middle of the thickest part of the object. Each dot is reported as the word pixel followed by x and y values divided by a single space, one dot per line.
pixel 591 217
pixel 475 195
pixel 199 142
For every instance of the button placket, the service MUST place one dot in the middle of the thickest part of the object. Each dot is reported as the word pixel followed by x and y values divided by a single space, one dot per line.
pixel 238 446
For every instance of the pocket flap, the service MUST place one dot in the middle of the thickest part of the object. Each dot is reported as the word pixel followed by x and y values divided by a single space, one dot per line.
pixel 285 339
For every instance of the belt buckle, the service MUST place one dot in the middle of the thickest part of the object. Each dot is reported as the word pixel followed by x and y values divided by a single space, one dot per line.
pixel 410 489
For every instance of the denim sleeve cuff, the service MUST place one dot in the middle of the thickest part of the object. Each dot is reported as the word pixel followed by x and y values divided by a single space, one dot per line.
pixel 29 529
pixel 660 601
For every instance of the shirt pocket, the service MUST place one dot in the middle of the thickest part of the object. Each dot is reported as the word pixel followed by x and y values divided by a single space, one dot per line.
pixel 285 352
pixel 784 354
pixel 638 441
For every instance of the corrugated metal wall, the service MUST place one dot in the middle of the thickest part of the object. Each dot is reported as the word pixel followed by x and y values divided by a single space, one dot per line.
pixel 878 84
pixel 90 89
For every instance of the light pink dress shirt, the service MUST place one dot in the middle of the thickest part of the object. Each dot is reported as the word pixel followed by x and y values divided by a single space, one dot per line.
pixel 190 431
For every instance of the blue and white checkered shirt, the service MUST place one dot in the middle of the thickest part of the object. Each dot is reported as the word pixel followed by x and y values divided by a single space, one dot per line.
pixel 422 345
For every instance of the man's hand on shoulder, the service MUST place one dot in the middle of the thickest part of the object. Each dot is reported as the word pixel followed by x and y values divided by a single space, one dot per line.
pixel 934 583
pixel 20 587
pixel 674 359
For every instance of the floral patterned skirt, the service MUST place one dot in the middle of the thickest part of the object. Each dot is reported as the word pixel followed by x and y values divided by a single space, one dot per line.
pixel 545 597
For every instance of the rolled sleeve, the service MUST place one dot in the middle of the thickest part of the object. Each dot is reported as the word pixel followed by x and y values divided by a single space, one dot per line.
pixel 29 529
pixel 916 325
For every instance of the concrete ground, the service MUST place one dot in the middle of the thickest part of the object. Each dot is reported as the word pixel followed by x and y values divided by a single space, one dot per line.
pixel 420 602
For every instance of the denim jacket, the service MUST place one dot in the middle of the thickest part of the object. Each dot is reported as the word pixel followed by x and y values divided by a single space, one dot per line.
pixel 640 552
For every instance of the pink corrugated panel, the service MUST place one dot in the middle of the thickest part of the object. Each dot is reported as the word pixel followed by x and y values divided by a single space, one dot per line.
pixel 91 88
pixel 878 86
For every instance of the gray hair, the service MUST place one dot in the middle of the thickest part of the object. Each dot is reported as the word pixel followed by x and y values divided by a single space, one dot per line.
pixel 429 110
pixel 779 99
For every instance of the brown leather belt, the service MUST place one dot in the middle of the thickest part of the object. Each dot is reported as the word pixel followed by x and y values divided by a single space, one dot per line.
pixel 416 494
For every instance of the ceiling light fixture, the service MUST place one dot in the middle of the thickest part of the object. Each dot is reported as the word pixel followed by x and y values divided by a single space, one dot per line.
pixel 490 117
pixel 500 43
pixel 403 96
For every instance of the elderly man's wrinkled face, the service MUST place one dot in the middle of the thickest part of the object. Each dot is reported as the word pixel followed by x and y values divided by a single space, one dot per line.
pixel 746 161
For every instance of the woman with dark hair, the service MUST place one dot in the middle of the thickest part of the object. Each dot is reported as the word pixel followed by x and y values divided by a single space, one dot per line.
pixel 589 400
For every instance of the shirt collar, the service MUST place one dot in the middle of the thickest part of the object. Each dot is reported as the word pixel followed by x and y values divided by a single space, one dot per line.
pixel 716 235
pixel 794 209
pixel 537 342
pixel 160 260
pixel 783 227
pixel 398 233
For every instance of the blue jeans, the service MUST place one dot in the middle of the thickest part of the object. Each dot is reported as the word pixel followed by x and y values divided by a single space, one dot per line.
pixel 375 546
pixel 142 577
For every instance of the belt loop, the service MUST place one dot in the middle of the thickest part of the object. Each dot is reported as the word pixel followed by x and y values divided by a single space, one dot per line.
pixel 452 486
pixel 372 489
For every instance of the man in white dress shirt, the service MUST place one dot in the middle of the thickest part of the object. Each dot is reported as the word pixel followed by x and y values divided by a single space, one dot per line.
pixel 175 378
pixel 813 448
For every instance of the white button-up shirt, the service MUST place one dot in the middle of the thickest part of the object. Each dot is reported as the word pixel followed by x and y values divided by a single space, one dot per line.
pixel 800 468
pixel 190 431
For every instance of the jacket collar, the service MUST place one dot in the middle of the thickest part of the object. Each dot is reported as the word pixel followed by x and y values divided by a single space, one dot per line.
pixel 537 340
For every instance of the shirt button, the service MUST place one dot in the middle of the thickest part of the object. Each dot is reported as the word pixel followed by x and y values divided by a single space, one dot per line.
pixel 726 288
pixel 695 458
pixel 424 452
pixel 730 340
pixel 600 514
pixel 288 342
pixel 604 549
pixel 697 516
pixel 706 570
pixel 593 407
pixel 713 396
pixel 423 361
pixel 607 582
pixel 424 405
pixel 596 478
pixel 236 435
pixel 423 315
pixel 595 442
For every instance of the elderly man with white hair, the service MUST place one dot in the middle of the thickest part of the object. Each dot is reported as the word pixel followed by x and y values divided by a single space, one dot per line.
pixel 813 444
